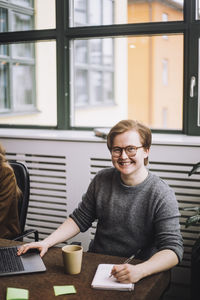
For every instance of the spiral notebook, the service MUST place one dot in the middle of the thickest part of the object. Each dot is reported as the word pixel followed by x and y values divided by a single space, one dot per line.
pixel 102 280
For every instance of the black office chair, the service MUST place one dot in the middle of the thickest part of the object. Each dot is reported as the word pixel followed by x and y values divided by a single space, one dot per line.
pixel 22 177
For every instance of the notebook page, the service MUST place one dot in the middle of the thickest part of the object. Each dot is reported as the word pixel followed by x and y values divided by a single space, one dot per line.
pixel 102 280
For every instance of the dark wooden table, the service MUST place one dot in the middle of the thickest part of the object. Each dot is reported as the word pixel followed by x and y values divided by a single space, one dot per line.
pixel 40 285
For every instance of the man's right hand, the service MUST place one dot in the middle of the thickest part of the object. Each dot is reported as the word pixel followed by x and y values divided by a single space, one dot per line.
pixel 41 246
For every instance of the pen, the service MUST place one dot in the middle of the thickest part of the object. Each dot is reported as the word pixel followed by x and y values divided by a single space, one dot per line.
pixel 129 259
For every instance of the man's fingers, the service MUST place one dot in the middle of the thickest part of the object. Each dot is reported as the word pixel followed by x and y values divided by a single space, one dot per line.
pixel 24 248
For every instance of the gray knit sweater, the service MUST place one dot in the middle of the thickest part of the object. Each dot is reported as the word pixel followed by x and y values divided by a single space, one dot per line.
pixel 143 217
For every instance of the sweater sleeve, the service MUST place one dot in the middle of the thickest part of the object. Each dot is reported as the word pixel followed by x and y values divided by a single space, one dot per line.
pixel 167 226
pixel 85 214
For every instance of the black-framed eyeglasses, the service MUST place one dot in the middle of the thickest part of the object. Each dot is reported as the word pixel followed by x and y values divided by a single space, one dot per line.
pixel 130 150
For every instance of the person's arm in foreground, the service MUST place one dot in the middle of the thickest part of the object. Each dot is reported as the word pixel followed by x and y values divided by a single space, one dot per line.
pixel 161 261
pixel 7 192
pixel 64 232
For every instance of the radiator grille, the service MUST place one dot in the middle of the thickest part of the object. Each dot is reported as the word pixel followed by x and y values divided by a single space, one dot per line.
pixel 48 191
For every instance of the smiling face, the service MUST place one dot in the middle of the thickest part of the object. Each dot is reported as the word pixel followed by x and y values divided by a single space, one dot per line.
pixel 132 168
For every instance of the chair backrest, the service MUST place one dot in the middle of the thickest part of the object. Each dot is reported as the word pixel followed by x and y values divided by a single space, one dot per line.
pixel 22 177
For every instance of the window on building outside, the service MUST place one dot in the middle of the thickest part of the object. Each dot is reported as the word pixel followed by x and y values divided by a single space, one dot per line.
pixel 106 60
pixel 17 62
pixel 197 15
pixel 165 72
pixel 92 72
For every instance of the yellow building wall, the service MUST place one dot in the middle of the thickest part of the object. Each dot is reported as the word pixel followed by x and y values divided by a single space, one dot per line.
pixel 148 97
pixel 169 97
pixel 138 78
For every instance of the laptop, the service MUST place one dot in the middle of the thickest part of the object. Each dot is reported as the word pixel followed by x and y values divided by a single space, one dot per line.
pixel 12 264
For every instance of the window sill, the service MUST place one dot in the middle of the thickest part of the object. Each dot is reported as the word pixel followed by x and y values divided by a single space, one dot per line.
pixel 89 136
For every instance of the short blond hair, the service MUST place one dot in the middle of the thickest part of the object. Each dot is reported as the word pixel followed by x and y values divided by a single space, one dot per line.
pixel 127 125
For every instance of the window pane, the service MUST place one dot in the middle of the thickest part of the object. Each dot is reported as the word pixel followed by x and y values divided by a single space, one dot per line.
pixel 26 3
pixel 108 87
pixel 3 85
pixel 140 80
pixel 21 22
pixel 22 85
pixel 197 9
pixel 3 50
pixel 198 108
pixel 165 72
pixel 81 51
pixel 79 11
pixel 95 16
pixel 80 4
pixel 93 72
pixel 3 20
pixel 23 50
pixel 27 15
pixel 3 28
pixel 29 90
pixel 96 87
pixel 81 86
pixel 95 51
pixel 106 12
pixel 107 52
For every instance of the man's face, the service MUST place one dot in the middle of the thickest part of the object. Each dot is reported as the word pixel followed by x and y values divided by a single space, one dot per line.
pixel 127 164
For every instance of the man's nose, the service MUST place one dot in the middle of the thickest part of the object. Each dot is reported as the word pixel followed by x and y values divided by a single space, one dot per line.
pixel 124 155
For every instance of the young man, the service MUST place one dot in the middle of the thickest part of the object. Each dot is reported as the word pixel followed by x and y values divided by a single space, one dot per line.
pixel 134 208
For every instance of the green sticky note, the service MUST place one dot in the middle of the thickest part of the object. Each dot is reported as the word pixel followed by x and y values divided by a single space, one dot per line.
pixel 17 294
pixel 64 289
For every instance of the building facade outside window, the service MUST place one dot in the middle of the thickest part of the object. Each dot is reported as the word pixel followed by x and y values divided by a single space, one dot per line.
pixel 92 72
pixel 17 61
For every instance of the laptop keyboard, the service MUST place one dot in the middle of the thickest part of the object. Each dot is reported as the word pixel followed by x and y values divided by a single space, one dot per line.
pixel 9 260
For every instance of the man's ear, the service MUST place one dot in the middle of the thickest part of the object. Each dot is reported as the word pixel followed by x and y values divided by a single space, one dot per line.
pixel 146 153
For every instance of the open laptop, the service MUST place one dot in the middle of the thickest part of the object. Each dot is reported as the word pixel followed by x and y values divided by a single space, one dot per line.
pixel 12 264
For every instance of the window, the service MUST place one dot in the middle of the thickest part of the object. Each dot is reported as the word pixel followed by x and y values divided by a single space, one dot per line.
pixel 165 19
pixel 27 97
pixel 193 92
pixel 23 15
pixel 93 60
pixel 93 68
pixel 106 60
pixel 28 83
pixel 3 85
pixel 17 62
pixel 197 15
pixel 90 12
pixel 139 85
pixel 17 69
pixel 4 19
pixel 165 72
